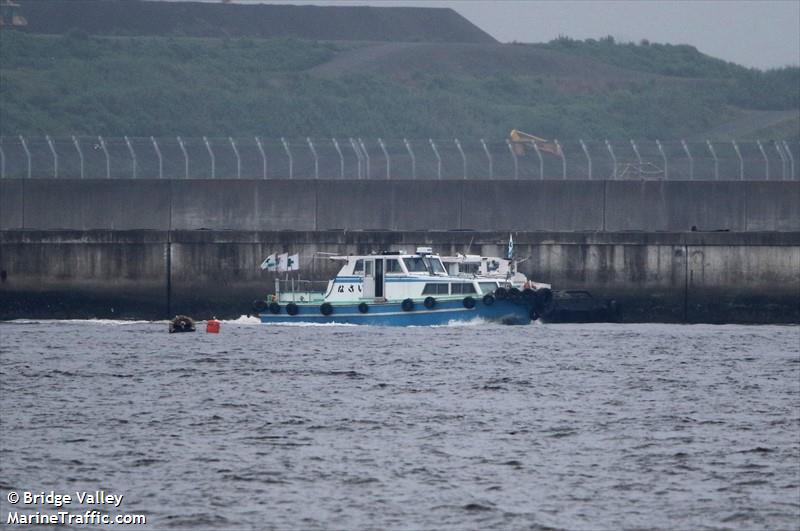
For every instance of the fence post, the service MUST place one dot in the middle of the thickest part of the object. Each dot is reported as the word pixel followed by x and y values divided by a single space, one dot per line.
pixel 158 154
pixel 2 160
pixel 463 157
pixel 664 158
pixel 541 160
pixel 489 157
pixel 741 160
pixel 55 155
pixel 563 159
pixel 341 157
pixel 588 157
pixel 716 160
pixel 438 159
pixel 366 158
pixel 388 160
pixel 359 156
pixel 133 155
pixel 185 156
pixel 313 154
pixel 288 154
pixel 613 160
pixel 108 159
pixel 238 159
pixel 783 159
pixel 791 158
pixel 638 158
pixel 212 157
pixel 691 160
pixel 27 153
pixel 514 156
pixel 413 159
pixel 263 157
pixel 766 159
pixel 80 153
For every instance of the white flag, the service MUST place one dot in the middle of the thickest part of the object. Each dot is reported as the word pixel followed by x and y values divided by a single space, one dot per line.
pixel 270 263
pixel 510 255
pixel 293 263
pixel 283 262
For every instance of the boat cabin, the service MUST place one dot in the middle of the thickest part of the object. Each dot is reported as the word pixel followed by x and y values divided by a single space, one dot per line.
pixel 396 276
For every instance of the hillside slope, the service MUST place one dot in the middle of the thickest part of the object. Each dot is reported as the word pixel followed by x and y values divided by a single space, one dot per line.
pixel 142 86
pixel 199 19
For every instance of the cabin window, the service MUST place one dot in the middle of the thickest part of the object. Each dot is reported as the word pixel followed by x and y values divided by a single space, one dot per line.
pixel 462 289
pixel 470 269
pixel 358 269
pixel 435 289
pixel 368 268
pixel 415 265
pixel 492 265
pixel 488 287
pixel 434 265
pixel 393 266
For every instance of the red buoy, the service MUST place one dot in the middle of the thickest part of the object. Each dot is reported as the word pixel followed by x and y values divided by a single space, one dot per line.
pixel 212 326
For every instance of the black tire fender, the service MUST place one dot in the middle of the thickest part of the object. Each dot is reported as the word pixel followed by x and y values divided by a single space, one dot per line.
pixel 260 306
pixel 326 308
pixel 429 303
pixel 274 308
pixel 488 299
pixel 363 307
pixel 292 308
pixel 407 305
pixel 469 302
pixel 528 294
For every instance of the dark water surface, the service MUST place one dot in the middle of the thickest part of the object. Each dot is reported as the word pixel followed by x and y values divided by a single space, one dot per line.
pixel 460 427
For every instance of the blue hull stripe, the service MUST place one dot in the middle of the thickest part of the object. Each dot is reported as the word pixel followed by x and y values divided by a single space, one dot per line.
pixel 391 314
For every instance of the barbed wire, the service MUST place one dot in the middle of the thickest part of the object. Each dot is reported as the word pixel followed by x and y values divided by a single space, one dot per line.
pixel 90 157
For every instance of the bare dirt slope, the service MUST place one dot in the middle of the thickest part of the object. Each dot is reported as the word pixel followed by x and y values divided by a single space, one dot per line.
pixel 357 23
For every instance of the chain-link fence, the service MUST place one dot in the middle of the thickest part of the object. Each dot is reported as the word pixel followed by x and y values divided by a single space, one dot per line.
pixel 356 158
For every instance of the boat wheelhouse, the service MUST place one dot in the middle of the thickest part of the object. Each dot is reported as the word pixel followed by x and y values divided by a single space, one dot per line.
pixel 395 288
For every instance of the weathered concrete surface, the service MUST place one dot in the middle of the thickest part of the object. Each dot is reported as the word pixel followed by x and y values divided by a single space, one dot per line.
pixel 11 203
pixel 669 277
pixel 96 204
pixel 365 205
pixel 533 205
pixel 107 274
pixel 676 206
pixel 772 206
pixel 269 205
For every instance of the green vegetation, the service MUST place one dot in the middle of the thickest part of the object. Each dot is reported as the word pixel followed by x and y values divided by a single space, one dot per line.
pixel 750 88
pixel 141 86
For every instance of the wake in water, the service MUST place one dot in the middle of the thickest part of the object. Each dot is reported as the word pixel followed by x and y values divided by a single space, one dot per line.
pixel 82 321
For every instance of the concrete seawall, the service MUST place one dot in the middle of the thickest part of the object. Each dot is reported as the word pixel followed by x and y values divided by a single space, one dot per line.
pixel 303 205
pixel 670 277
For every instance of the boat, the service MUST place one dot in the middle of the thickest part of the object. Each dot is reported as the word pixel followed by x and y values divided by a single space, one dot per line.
pixel 398 289
pixel 490 267
pixel 514 284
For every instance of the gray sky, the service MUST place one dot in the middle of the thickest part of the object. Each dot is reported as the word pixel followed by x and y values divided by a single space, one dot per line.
pixel 760 33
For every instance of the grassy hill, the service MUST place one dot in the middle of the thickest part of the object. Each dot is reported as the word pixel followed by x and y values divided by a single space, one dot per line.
pixel 169 85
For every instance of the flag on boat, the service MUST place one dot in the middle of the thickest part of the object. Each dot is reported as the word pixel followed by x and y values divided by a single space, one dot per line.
pixel 510 254
pixel 283 262
pixel 293 263
pixel 270 264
